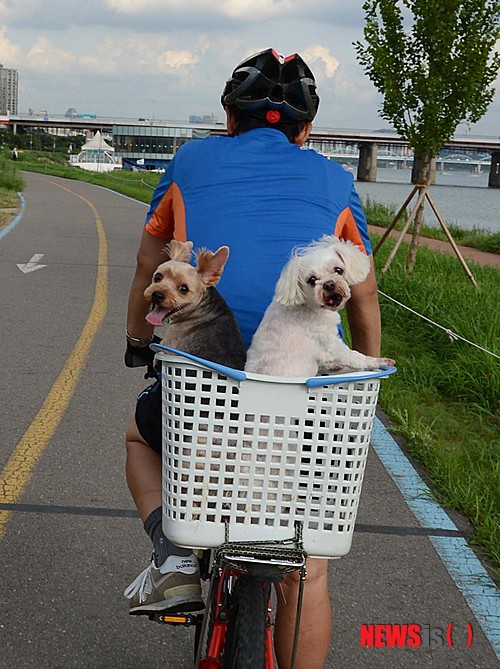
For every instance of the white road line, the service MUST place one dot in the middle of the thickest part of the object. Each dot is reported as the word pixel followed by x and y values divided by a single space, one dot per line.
pixel 17 218
pixel 32 264
pixel 469 575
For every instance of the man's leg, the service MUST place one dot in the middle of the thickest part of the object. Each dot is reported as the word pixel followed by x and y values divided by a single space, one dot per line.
pixel 143 470
pixel 172 581
pixel 144 473
pixel 316 618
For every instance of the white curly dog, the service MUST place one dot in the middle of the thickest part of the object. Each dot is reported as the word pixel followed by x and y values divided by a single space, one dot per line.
pixel 298 335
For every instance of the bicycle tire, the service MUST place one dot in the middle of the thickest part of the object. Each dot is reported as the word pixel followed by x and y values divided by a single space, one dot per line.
pixel 245 637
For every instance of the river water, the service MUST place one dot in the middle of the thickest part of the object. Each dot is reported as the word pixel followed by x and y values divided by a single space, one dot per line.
pixel 462 198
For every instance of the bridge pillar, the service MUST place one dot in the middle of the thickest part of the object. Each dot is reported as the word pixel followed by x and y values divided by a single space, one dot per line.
pixel 367 163
pixel 494 178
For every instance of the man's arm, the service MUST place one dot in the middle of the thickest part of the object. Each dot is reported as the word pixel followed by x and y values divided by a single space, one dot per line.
pixel 149 257
pixel 363 314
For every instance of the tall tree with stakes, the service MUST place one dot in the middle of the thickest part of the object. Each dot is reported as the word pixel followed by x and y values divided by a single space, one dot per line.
pixel 434 62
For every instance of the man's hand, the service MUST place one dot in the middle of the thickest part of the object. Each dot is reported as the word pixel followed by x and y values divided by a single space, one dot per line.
pixel 140 356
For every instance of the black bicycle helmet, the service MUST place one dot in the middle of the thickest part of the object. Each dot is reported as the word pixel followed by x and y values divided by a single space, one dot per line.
pixel 268 81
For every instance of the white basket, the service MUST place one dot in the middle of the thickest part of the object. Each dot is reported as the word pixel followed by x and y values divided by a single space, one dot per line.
pixel 263 453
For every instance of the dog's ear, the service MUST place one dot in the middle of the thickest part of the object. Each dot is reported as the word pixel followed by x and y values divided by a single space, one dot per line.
pixel 288 289
pixel 180 251
pixel 357 263
pixel 210 265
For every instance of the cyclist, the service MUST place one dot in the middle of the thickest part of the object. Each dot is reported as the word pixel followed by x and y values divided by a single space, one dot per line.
pixel 259 193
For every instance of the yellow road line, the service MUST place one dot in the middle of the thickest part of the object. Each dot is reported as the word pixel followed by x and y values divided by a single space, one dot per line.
pixel 18 471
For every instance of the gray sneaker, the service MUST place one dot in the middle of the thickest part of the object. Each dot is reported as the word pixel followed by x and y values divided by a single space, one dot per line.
pixel 174 587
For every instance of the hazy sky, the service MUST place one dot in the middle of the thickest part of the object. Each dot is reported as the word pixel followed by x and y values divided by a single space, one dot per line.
pixel 167 59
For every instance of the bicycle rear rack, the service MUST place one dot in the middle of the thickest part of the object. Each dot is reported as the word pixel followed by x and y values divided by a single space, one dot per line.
pixel 242 556
pixel 288 554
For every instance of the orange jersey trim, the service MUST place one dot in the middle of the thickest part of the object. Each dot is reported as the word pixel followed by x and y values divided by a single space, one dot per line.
pixel 169 218
pixel 346 229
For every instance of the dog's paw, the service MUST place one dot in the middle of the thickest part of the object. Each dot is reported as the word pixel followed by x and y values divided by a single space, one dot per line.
pixel 331 367
pixel 373 364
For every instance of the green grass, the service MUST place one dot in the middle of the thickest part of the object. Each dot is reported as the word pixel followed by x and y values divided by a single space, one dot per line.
pixel 11 182
pixel 8 198
pixel 445 398
pixel 10 179
pixel 383 214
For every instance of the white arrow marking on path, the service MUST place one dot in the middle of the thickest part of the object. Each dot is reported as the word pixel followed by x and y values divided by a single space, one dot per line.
pixel 32 265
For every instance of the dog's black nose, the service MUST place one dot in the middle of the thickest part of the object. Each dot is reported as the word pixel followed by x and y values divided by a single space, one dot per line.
pixel 157 297
pixel 329 286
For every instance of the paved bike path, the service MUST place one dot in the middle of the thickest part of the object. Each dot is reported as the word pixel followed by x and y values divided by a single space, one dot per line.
pixel 74 542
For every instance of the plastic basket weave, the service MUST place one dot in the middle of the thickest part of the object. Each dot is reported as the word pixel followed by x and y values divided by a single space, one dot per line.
pixel 262 453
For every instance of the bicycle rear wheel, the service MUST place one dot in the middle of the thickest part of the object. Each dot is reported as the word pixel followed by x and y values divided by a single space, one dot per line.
pixel 246 631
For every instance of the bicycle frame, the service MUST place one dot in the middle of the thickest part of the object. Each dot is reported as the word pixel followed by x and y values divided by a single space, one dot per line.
pixel 219 611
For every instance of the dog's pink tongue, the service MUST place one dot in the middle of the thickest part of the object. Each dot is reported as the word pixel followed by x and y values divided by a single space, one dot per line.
pixel 157 316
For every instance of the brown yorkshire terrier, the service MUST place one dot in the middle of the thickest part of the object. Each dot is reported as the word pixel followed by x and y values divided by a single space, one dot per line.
pixel 185 299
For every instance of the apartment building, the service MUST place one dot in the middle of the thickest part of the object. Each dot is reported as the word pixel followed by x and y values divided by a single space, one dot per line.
pixel 8 90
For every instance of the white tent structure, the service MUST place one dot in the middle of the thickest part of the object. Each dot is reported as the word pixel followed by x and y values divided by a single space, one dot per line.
pixel 96 155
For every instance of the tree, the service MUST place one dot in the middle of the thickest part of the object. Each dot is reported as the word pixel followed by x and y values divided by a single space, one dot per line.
pixel 434 63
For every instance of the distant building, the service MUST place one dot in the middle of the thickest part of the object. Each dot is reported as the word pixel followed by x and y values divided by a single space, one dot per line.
pixel 206 118
pixel 8 91
pixel 152 147
pixel 96 156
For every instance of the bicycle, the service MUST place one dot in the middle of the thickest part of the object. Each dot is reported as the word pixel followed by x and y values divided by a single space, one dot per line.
pixel 259 473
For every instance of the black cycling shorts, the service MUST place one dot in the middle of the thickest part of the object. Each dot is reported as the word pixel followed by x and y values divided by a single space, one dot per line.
pixel 148 416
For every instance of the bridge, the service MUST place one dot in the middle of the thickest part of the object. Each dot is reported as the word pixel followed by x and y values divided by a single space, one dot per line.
pixel 387 146
pixel 368 146
pixel 474 164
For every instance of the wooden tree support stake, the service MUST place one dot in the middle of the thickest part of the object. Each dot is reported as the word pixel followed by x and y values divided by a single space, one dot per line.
pixel 403 232
pixel 395 220
pixel 451 240
pixel 423 194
